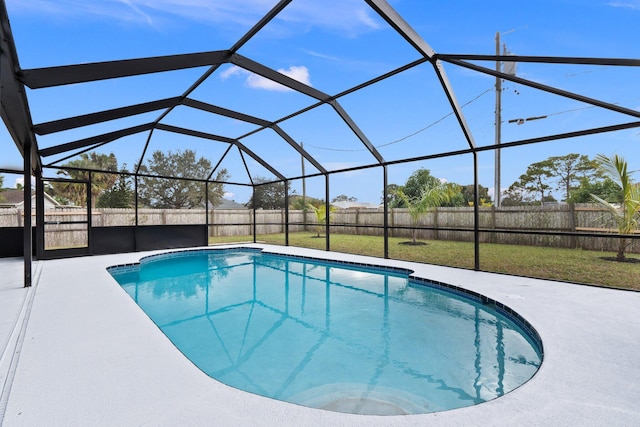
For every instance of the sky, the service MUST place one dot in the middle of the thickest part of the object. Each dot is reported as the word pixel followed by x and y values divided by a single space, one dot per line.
pixel 333 45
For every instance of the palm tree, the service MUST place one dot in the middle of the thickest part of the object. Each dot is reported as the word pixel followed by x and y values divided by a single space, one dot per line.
pixel 75 192
pixel 321 215
pixel 430 198
pixel 627 214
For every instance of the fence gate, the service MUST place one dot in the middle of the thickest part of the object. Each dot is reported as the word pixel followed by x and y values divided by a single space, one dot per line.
pixel 66 227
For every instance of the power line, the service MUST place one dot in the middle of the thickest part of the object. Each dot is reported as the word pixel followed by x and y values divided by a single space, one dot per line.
pixel 407 136
pixel 434 123
pixel 521 121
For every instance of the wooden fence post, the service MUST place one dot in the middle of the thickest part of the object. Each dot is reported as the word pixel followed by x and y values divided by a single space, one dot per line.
pixel 572 225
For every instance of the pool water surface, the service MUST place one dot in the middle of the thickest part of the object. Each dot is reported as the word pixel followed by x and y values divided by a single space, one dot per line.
pixel 329 335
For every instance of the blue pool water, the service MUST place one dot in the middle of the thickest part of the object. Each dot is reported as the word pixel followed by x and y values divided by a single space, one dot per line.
pixel 329 335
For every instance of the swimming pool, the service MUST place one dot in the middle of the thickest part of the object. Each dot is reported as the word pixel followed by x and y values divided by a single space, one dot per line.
pixel 342 337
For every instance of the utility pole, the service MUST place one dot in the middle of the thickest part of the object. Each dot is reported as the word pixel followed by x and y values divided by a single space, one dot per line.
pixel 496 185
pixel 508 68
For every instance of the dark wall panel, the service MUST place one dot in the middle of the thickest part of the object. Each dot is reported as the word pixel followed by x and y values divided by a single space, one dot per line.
pixel 113 240
pixel 170 236
pixel 12 241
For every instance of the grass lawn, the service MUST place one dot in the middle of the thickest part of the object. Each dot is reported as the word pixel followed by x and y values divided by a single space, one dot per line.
pixel 572 265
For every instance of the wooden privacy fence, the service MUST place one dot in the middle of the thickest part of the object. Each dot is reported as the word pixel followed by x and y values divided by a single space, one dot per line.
pixel 442 224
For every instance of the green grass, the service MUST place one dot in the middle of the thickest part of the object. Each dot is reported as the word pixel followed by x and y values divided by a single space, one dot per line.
pixel 572 265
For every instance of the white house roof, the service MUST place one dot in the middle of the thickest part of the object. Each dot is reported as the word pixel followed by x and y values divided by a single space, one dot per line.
pixel 355 205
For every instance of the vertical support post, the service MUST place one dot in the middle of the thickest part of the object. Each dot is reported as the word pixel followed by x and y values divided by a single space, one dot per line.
pixel 573 241
pixel 135 208
pixel 253 205
pixel 304 192
pixel 476 214
pixel 385 207
pixel 28 232
pixel 39 216
pixel 498 126
pixel 304 184
pixel 286 213
pixel 327 211
pixel 206 210
pixel 89 205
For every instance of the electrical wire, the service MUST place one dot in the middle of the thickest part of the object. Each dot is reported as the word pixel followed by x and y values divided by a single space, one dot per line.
pixel 521 121
pixel 407 136
pixel 443 118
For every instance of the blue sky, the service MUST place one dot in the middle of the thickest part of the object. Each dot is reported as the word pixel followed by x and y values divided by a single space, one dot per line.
pixel 332 46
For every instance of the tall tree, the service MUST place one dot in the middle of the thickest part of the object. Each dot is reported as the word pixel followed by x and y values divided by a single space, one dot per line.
pixel 392 190
pixel 120 195
pixel 298 202
pixel 627 214
pixel 563 173
pixel 75 193
pixel 516 196
pixel 468 193
pixel 418 181
pixel 267 195
pixel 416 184
pixel 187 191
pixel 534 181
pixel 569 170
pixel 605 188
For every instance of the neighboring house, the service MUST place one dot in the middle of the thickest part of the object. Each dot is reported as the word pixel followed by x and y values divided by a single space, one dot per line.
pixel 228 204
pixel 355 205
pixel 14 198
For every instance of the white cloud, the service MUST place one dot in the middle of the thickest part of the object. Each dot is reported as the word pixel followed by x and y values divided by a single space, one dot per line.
pixel 335 166
pixel 232 71
pixel 366 19
pixel 137 11
pixel 631 4
pixel 150 12
pixel 348 17
pixel 321 55
pixel 296 72
pixel 20 182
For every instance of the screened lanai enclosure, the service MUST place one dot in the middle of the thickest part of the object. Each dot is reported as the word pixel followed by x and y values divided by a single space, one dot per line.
pixel 257 140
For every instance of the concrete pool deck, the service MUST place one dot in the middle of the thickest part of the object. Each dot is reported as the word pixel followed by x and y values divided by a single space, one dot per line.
pixel 87 355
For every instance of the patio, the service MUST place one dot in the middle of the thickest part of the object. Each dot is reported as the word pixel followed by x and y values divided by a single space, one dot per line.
pixel 89 356
pixel 75 350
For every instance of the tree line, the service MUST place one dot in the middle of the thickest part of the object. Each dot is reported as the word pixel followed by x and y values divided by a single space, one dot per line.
pixel 576 177
pixel 175 187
